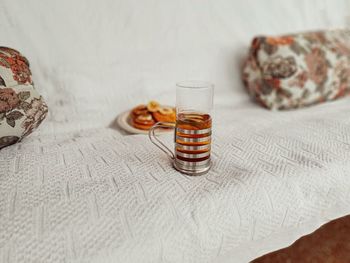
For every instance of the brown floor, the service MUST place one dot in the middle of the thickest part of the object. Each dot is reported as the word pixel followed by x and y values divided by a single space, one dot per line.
pixel 328 244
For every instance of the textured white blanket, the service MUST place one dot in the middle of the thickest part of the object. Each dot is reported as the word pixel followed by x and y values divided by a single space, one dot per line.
pixel 75 191
pixel 98 196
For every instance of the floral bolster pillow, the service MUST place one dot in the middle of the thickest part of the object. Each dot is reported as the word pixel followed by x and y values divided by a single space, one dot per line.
pixel 22 109
pixel 298 70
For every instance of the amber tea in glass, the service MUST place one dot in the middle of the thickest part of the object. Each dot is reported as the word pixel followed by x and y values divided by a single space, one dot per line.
pixel 187 124
pixel 193 128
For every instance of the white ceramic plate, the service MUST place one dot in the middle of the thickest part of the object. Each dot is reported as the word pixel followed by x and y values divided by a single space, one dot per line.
pixel 123 121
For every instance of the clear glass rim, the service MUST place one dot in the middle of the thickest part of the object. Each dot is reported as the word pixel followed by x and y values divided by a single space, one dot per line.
pixel 195 84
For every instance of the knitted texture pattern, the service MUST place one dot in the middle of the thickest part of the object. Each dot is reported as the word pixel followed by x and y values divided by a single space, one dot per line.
pixel 99 196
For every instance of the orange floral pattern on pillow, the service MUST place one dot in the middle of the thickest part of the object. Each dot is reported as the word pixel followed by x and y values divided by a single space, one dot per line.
pixel 8 100
pixel 298 70
pixel 18 64
pixel 22 109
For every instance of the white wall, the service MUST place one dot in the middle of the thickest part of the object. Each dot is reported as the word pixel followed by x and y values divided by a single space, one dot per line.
pixel 100 56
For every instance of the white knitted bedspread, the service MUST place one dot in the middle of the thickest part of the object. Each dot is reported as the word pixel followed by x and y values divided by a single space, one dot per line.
pixel 99 196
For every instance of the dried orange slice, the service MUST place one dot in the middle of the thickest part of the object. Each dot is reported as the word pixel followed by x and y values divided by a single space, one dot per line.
pixel 141 126
pixel 145 119
pixel 164 117
pixel 139 110
pixel 166 110
pixel 153 106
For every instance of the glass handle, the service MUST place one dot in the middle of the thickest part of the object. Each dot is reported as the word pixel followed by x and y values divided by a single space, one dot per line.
pixel 159 143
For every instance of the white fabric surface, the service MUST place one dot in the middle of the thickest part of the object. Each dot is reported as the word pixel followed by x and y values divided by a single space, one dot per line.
pixel 77 191
pixel 98 196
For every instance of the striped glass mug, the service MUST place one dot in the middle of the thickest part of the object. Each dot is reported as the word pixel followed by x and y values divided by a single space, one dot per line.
pixel 193 128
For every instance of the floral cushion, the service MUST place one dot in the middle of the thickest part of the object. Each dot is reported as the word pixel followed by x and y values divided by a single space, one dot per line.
pixel 22 109
pixel 298 70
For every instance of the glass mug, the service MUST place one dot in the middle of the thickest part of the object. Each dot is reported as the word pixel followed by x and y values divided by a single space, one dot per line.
pixel 193 128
